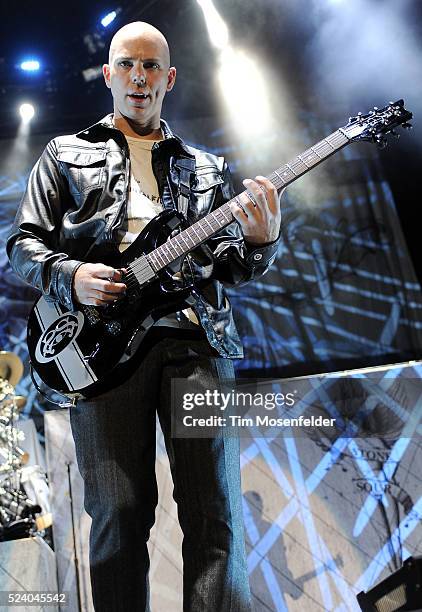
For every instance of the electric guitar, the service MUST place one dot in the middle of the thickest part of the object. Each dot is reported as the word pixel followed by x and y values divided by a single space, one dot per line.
pixel 78 352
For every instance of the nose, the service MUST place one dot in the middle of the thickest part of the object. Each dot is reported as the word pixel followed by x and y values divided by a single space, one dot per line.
pixel 138 78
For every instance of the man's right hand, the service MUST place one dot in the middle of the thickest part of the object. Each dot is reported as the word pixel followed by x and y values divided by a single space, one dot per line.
pixel 97 284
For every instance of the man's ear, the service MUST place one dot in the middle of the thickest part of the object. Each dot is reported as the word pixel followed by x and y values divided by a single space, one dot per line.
pixel 171 78
pixel 106 74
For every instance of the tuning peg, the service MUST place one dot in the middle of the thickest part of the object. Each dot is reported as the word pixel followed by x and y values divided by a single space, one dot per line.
pixel 407 126
pixel 375 108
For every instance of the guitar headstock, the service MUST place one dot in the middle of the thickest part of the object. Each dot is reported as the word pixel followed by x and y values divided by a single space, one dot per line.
pixel 374 126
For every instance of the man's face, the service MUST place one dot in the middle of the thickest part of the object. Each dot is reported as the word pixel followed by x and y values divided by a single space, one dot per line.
pixel 139 77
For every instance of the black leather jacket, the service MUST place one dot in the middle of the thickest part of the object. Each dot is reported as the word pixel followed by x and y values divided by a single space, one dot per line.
pixel 76 200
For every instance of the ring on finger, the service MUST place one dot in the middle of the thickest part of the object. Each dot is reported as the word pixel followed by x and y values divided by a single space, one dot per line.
pixel 252 197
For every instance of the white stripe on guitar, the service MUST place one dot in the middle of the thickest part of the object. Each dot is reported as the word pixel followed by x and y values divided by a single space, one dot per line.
pixel 75 371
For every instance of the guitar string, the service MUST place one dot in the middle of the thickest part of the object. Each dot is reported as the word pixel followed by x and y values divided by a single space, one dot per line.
pixel 312 155
pixel 164 252
pixel 292 170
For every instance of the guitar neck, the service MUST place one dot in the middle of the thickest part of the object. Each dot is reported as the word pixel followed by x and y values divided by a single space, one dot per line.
pixel 208 226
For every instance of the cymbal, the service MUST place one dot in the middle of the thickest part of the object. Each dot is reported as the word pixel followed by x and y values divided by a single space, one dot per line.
pixel 11 367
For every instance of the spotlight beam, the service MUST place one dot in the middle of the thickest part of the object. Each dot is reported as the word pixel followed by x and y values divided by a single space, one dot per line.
pixel 247 104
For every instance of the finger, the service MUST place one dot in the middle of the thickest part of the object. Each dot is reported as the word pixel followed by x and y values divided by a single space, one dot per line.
pixel 238 210
pixel 109 287
pixel 118 274
pixel 270 191
pixel 102 271
pixel 106 298
pixel 256 196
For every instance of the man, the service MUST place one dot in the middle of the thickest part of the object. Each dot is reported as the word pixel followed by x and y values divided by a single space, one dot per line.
pixel 91 193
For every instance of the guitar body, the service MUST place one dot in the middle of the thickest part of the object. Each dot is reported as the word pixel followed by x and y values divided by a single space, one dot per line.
pixel 84 352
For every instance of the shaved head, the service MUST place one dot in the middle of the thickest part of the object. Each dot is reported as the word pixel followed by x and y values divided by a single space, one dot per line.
pixel 136 30
pixel 139 76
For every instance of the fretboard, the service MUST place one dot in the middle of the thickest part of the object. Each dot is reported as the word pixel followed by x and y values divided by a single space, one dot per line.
pixel 205 228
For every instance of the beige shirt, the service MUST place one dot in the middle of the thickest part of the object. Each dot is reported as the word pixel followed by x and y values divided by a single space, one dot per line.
pixel 143 205
pixel 144 200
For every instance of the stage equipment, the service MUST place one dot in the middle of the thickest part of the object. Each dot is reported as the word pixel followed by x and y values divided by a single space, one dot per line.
pixel 17 512
pixel 81 353
pixel 11 368
pixel 400 591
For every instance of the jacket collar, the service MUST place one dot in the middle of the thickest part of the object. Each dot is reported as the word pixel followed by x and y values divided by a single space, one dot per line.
pixel 107 123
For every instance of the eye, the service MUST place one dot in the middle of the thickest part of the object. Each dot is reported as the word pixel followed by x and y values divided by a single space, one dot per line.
pixel 125 63
pixel 151 65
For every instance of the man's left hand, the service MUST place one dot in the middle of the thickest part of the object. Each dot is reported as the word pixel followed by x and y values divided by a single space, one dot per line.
pixel 260 217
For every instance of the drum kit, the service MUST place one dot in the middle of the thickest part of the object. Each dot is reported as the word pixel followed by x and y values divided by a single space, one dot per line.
pixel 17 512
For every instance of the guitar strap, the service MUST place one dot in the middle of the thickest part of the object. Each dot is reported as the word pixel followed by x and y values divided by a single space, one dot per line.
pixel 186 167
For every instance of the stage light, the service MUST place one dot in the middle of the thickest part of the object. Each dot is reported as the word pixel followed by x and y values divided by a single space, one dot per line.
pixel 26 111
pixel 30 65
pixel 217 29
pixel 400 591
pixel 105 21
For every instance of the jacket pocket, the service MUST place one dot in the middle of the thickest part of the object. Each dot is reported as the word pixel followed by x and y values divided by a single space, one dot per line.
pixel 206 177
pixel 83 167
pixel 204 186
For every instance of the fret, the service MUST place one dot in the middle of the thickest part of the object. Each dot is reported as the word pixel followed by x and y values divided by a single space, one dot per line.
pixel 159 255
pixel 285 174
pixel 309 158
pixel 187 232
pixel 171 250
pixel 199 224
pixel 176 245
pixel 337 139
pixel 215 222
pixel 206 220
pixel 166 252
pixel 316 153
pixel 220 213
pixel 325 148
pixel 182 237
pixel 162 254
pixel 196 233
pixel 291 169
pixel 152 258
pixel 298 166
pixel 280 178
pixel 329 143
